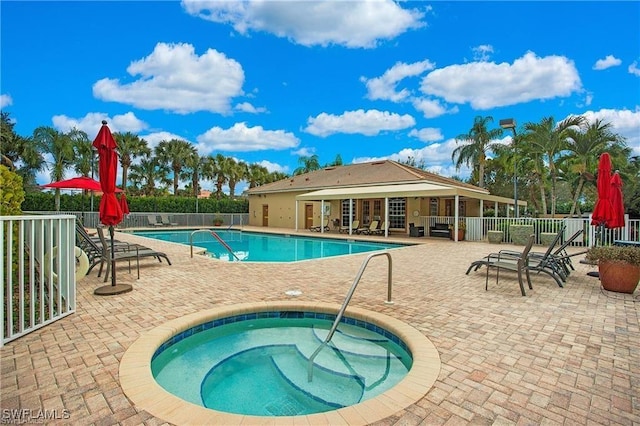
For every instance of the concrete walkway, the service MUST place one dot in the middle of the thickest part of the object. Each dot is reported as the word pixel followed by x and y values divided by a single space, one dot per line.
pixel 557 356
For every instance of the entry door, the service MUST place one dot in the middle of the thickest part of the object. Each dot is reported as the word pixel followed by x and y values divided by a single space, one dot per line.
pixel 265 215
pixel 308 216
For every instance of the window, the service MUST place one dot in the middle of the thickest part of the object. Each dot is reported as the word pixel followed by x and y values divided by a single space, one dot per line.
pixel 366 212
pixel 345 211
pixel 433 207
pixel 397 213
pixel 377 209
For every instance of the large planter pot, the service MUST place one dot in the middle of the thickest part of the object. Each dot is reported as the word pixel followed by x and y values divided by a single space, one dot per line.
pixel 520 234
pixel 460 234
pixel 495 237
pixel 620 277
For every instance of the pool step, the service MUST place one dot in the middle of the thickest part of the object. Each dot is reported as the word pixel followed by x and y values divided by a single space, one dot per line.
pixel 328 386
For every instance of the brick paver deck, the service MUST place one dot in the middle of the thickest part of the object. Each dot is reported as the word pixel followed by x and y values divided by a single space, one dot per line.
pixel 557 356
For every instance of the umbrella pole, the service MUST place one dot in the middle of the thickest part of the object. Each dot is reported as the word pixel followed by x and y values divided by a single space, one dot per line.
pixel 113 258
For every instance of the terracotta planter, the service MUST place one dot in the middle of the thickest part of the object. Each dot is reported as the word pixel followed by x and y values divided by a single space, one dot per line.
pixel 620 277
pixel 460 234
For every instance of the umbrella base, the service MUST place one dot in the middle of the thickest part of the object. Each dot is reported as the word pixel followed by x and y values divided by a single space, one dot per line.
pixel 110 290
pixel 594 274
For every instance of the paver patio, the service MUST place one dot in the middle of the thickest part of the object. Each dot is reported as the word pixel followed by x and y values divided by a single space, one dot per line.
pixel 557 356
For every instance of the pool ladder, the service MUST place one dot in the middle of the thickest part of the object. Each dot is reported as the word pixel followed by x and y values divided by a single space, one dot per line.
pixel 216 236
pixel 343 308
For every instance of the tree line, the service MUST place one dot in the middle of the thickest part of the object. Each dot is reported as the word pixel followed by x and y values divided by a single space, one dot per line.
pixel 555 163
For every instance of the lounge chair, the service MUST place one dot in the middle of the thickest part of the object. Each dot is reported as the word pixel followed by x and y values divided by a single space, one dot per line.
pixel 368 230
pixel 135 252
pixel 381 229
pixel 518 264
pixel 318 228
pixel 164 219
pixel 354 226
pixel 153 220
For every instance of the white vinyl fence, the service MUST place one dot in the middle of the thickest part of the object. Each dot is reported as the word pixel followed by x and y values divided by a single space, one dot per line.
pixel 38 272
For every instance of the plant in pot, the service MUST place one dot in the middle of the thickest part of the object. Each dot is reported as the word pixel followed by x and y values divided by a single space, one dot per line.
pixel 462 226
pixel 217 221
pixel 618 267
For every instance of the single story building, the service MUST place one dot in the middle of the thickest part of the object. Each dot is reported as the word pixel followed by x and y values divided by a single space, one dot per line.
pixel 392 193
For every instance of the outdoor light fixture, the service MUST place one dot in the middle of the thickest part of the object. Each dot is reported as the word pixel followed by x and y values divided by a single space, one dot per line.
pixel 510 123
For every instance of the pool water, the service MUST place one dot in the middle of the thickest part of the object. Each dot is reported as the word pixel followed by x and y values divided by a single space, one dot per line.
pixel 260 366
pixel 257 247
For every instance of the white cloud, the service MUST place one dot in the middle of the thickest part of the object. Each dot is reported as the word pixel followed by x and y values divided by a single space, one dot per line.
pixel 304 152
pixel 482 53
pixel 153 139
pixel 369 123
pixel 432 108
pixel 92 122
pixel 428 134
pixel 384 87
pixel 436 158
pixel 247 107
pixel 608 62
pixel 349 23
pixel 625 122
pixel 486 85
pixel 273 167
pixel 633 69
pixel 174 78
pixel 5 101
pixel 243 138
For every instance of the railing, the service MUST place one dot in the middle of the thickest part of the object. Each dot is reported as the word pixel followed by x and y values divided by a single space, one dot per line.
pixel 347 299
pixel 38 272
pixel 216 236
pixel 476 228
pixel 140 219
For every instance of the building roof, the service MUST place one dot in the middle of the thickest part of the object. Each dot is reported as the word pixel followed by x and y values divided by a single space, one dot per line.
pixel 386 172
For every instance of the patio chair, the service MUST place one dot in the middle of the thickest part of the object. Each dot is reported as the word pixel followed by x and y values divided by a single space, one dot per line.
pixel 381 229
pixel 164 220
pixel 153 220
pixel 354 226
pixel 318 228
pixel 134 252
pixel 368 230
pixel 519 264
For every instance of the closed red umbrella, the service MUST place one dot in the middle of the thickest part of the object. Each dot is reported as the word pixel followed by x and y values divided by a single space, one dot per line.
pixel 110 210
pixel 602 211
pixel 617 203
pixel 123 204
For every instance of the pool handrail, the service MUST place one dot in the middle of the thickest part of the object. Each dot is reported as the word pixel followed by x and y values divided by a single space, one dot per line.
pixel 347 299
pixel 216 236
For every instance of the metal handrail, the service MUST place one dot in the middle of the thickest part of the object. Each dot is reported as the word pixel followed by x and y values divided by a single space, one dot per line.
pixel 347 299
pixel 216 236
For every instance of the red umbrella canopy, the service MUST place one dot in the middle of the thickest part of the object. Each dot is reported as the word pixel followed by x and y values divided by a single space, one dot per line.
pixel 110 210
pixel 80 182
pixel 603 212
pixel 617 203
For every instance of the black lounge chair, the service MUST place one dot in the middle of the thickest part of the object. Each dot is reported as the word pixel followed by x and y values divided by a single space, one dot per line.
pixel 518 264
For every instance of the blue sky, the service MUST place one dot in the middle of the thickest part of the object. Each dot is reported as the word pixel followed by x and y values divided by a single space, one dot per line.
pixel 269 81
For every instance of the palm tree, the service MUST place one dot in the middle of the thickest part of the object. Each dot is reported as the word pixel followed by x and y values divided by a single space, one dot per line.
pixel 147 172
pixel 585 146
pixel 175 153
pixel 84 154
pixel 237 172
pixel 307 164
pixel 130 146
pixel 550 140
pixel 60 147
pixel 219 170
pixel 476 145
pixel 194 166
pixel 257 175
pixel 19 153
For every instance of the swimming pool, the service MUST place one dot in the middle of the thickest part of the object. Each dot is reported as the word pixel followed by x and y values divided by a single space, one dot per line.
pixel 260 247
